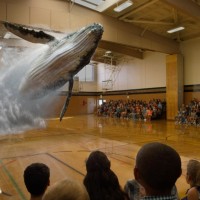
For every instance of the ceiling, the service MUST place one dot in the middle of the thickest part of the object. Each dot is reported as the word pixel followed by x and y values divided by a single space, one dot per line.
pixel 156 16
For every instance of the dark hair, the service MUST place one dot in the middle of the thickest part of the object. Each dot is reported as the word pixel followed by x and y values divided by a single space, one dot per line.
pixel 100 181
pixel 159 166
pixel 36 178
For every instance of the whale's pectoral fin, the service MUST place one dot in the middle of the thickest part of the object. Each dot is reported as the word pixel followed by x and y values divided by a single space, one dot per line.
pixel 71 83
pixel 28 33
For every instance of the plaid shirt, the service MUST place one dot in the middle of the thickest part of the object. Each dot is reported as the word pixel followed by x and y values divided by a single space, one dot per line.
pixel 170 197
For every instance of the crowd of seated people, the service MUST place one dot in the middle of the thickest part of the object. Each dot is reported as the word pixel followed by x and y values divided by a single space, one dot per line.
pixel 133 109
pixel 155 178
pixel 189 114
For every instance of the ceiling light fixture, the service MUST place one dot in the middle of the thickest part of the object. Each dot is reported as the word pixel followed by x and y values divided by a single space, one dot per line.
pixel 176 29
pixel 123 6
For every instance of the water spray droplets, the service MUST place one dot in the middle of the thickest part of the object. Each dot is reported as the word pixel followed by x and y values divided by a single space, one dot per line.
pixel 17 113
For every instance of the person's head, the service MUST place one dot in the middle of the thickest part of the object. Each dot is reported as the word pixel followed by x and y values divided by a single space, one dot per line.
pixel 193 173
pixel 157 168
pixel 97 161
pixel 36 178
pixel 100 181
pixel 66 189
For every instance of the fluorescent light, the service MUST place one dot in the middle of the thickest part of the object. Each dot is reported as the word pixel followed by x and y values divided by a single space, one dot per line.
pixel 176 29
pixel 123 6
pixel 92 4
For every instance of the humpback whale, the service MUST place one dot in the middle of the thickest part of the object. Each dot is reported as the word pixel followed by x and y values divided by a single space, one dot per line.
pixel 59 62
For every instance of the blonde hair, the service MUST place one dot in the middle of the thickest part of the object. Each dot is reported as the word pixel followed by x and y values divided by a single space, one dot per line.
pixel 66 190
pixel 193 171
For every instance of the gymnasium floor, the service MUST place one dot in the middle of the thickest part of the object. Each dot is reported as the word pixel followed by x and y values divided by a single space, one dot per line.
pixel 65 145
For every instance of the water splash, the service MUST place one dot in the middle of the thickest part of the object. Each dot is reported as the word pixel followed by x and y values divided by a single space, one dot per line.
pixel 19 113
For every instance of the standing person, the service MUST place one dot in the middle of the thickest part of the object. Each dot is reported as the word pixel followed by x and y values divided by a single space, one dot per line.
pixel 36 179
pixel 100 181
pixel 157 168
pixel 193 179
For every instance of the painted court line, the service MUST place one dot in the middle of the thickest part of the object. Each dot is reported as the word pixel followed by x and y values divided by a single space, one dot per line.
pixel 66 164
pixel 21 194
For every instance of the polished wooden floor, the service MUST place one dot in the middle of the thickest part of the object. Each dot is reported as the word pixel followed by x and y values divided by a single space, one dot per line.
pixel 65 145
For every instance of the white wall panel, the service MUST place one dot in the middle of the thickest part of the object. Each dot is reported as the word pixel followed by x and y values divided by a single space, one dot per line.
pixel 18 13
pixel 2 11
pixel 155 69
pixel 191 53
pixel 40 17
pixel 60 20
pixel 136 73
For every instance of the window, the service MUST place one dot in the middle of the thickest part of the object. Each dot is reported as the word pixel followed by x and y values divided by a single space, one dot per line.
pixel 101 101
pixel 86 74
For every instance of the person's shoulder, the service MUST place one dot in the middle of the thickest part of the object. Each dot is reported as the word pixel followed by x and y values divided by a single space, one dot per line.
pixel 132 183
pixel 192 194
